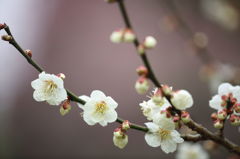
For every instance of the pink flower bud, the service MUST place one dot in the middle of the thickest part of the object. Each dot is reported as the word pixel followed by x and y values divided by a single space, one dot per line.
pixel 2 26
pixel 158 97
pixel 176 118
pixel 221 115
pixel 218 124
pixel 28 52
pixel 118 133
pixel 65 107
pixel 234 120
pixel 142 71
pixel 237 108
pixel 142 85
pixel 185 117
pixel 167 90
pixel 214 116
pixel 126 125
pixel 61 75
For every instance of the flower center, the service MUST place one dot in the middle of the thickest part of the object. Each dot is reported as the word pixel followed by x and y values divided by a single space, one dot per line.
pixel 50 86
pixel 163 133
pixel 101 107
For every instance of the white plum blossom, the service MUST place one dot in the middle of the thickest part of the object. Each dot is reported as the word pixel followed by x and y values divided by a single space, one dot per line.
pixel 225 90
pixel 163 134
pixel 182 100
pixel 49 88
pixel 98 108
pixel 191 151
pixel 150 109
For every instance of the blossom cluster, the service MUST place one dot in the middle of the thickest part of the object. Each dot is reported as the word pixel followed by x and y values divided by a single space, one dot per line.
pixel 227 104
pixel 166 117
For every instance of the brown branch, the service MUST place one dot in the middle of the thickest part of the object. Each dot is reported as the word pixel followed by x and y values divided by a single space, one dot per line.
pixel 204 132
pixel 71 95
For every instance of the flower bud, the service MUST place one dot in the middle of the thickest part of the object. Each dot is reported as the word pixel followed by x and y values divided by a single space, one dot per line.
pixel 150 42
pixel 118 133
pixel 167 90
pixel 141 49
pixel 237 108
pixel 222 115
pixel 65 108
pixel 185 117
pixel 182 100
pixel 128 36
pixel 117 36
pixel 120 141
pixel 218 124
pixel 126 125
pixel 7 38
pixel 158 97
pixel 214 116
pixel 142 71
pixel 234 120
pixel 61 75
pixel 2 26
pixel 166 113
pixel 176 118
pixel 28 52
pixel 142 85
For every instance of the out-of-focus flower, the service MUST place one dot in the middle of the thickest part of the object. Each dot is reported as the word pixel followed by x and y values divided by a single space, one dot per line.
pixel 163 134
pixel 49 88
pixel 150 42
pixel 191 151
pixel 182 100
pixel 128 36
pixel 120 139
pixel 98 108
pixel 226 92
pixel 221 12
pixel 217 73
pixel 200 40
pixel 142 85
pixel 122 35
pixel 116 36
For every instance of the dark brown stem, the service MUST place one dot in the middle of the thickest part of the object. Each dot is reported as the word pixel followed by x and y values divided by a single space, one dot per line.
pixel 71 95
pixel 204 132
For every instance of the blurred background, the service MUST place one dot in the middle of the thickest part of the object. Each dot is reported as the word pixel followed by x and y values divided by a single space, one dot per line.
pixel 198 48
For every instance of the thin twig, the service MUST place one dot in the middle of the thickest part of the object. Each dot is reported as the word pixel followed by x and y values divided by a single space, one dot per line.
pixel 204 132
pixel 71 95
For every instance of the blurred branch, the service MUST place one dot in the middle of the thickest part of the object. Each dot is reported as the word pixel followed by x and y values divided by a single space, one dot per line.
pixel 204 132
pixel 185 30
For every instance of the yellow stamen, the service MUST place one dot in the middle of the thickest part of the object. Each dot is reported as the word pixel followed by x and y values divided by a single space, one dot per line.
pixel 101 107
pixel 50 86
pixel 164 133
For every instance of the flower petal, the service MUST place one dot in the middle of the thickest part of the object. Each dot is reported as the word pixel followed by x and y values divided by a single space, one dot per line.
pixel 98 95
pixel 152 140
pixel 215 102
pixel 224 89
pixel 111 102
pixel 168 146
